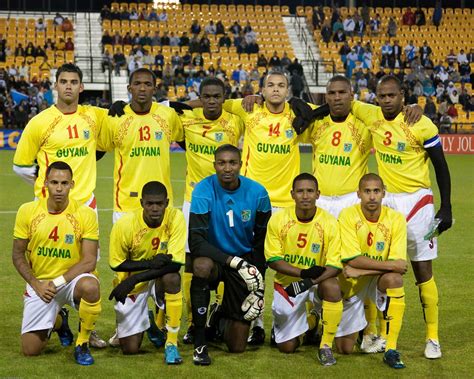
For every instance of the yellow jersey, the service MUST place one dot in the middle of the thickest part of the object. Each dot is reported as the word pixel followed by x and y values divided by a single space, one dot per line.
pixel 383 240
pixel 54 136
pixel 340 154
pixel 401 154
pixel 302 244
pixel 202 137
pixel 54 239
pixel 270 153
pixel 142 151
pixel 131 238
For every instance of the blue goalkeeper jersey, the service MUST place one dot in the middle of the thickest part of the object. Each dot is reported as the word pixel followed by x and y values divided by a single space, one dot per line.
pixel 232 214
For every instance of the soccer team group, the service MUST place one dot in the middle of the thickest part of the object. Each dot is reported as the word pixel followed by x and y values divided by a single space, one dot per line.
pixel 339 239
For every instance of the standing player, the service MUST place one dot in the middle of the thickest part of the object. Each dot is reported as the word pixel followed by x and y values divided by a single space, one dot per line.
pixel 374 240
pixel 55 252
pixel 303 242
pixel 205 129
pixel 141 139
pixel 147 251
pixel 66 132
pixel 227 225
pixel 402 159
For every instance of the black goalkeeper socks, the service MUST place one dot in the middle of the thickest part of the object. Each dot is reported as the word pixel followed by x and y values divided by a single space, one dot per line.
pixel 200 297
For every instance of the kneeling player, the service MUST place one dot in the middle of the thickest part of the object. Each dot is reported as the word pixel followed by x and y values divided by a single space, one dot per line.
pixel 227 226
pixel 374 246
pixel 303 242
pixel 55 251
pixel 147 251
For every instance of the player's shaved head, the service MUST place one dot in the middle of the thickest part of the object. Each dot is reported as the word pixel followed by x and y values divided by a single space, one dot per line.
pixel 154 188
pixel 339 78
pixel 305 176
pixel 390 79
pixel 142 70
pixel 69 67
pixel 227 148
pixel 370 177
pixel 211 82
pixel 59 165
pixel 275 73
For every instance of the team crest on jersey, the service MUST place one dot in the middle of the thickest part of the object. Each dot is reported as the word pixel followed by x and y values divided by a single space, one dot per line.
pixel 158 136
pixel 219 136
pixel 347 147
pixel 69 239
pixel 380 246
pixel 401 146
pixel 86 134
pixel 289 133
pixel 245 215
pixel 315 248
pixel 163 245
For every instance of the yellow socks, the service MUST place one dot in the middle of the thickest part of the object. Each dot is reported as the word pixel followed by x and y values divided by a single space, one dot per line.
pixel 394 315
pixel 160 318
pixel 371 317
pixel 331 316
pixel 186 281
pixel 174 310
pixel 382 325
pixel 429 301
pixel 88 314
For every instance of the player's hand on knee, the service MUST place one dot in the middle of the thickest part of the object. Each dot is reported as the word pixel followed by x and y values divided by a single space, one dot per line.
pixel 116 109
pixel 351 272
pixel 400 266
pixel 295 288
pixel 160 260
pixel 45 290
pixel 446 216
pixel 314 272
pixel 248 272
pixel 121 292
pixel 253 305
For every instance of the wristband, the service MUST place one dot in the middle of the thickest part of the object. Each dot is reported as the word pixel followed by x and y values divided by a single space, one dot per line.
pixel 59 281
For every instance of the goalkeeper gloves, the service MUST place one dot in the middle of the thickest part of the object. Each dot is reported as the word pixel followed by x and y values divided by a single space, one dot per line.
pixel 253 305
pixel 446 217
pixel 249 273
pixel 305 115
pixel 121 292
pixel 180 107
pixel 116 109
pixel 313 272
pixel 295 288
pixel 159 261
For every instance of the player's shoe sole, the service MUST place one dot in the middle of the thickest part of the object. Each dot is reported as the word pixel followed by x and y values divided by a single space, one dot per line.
pixel 432 350
pixel 172 356
pixel 82 355
pixel 156 336
pixel 64 332
pixel 201 357
pixel 392 359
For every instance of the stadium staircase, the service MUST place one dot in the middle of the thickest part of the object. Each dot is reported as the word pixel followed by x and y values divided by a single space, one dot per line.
pixel 306 51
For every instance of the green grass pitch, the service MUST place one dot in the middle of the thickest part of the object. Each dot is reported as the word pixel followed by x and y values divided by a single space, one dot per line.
pixel 453 272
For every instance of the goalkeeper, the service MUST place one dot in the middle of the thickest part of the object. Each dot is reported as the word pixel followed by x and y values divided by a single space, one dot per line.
pixel 303 242
pixel 227 226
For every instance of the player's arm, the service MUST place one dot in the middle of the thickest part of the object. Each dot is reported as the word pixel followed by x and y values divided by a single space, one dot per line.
pixel 262 216
pixel 399 266
pixel 443 178
pixel 24 160
pixel 45 290
pixel 88 260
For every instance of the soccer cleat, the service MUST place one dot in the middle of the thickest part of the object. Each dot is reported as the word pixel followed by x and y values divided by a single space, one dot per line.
pixel 392 359
pixel 82 354
pixel 372 344
pixel 114 340
pixel 96 341
pixel 64 332
pixel 257 336
pixel 156 336
pixel 172 356
pixel 326 356
pixel 432 350
pixel 201 357
pixel 188 338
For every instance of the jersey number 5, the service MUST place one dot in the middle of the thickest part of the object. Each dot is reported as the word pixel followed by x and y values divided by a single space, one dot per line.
pixel 302 241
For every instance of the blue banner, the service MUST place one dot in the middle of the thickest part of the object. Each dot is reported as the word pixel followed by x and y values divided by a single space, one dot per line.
pixel 18 97
pixel 9 139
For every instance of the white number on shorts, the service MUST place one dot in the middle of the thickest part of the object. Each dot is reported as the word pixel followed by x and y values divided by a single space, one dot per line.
pixel 230 214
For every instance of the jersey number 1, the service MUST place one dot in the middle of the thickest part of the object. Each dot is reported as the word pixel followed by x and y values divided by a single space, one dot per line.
pixel 230 215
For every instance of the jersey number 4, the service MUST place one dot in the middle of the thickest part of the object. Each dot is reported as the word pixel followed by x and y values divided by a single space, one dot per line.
pixel 54 234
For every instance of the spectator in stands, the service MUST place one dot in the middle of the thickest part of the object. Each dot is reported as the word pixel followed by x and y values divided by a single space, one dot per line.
pixel 106 39
pixel 58 19
pixel 198 60
pixel 135 64
pixel 285 60
pixel 410 52
pixel 375 25
pixel 152 16
pixel 462 57
pixel 296 66
pixel 254 75
pixel 187 58
pixel 425 52
pixel 176 60
pixel 115 14
pixel 454 97
pixel 145 39
pixel 107 61
pixel 317 18
pixel 338 25
pixel 392 27
pixel 464 72
pixel 117 39
pixel 69 46
pixel 174 40
pixel 225 41
pixel 339 36
pixel 119 61
pixel 408 17
pixel 367 59
pixel 252 48
pixel 451 57
pixel 105 13
pixel 40 52
pixel 387 52
pixel 445 123
pixel 235 28
pixel 430 109
pixel 418 88
pixel 40 25
pixel 450 88
pixel 247 27
pixel 437 14
pixel 343 51
pixel 165 39
pixel 210 28
pixel 160 59
pixel 326 32
pixel 21 115
pixel 19 51
pixel 194 44
pixel 163 16
pixel 125 14
pixel 262 61
pixel 335 17
pixel 359 51
pixel 23 70
pixel 184 39
pixel 147 58
pixel 156 39
pixel 8 118
pixel 470 56
pixel 67 26
pixel 61 45
pixel 205 44
pixel 274 61
pixel 452 111
pixel 365 13
pixel 250 36
pixel 420 18
pixel 220 29
pixel 195 27
pixel 351 64
pixel 179 80
pixel 469 107
pixel 133 16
